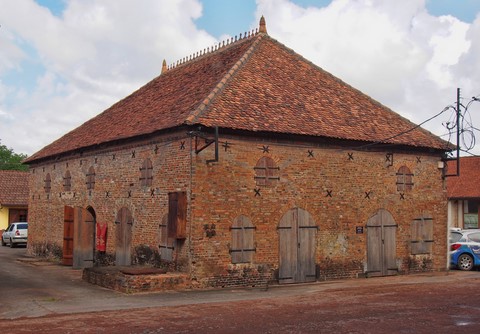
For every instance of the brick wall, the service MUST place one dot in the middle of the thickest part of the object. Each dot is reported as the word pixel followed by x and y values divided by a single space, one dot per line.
pixel 117 185
pixel 340 189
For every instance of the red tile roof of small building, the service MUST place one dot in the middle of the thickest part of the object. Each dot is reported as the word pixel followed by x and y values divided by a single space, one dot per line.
pixel 13 188
pixel 254 84
pixel 467 184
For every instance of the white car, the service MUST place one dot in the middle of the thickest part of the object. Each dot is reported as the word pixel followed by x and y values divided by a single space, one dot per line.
pixel 15 234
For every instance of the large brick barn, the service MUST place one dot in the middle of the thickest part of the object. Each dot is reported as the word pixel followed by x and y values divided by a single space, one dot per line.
pixel 241 164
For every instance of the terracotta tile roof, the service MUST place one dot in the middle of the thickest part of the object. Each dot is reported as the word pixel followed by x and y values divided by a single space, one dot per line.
pixel 467 185
pixel 253 84
pixel 13 188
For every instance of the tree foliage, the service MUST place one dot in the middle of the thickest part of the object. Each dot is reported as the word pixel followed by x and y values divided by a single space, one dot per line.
pixel 10 160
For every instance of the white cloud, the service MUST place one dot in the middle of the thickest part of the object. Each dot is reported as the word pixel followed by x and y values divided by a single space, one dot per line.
pixel 99 51
pixel 96 53
pixel 393 51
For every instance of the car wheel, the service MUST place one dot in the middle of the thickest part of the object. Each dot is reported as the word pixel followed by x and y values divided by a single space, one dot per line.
pixel 465 262
pixel 3 242
pixel 11 243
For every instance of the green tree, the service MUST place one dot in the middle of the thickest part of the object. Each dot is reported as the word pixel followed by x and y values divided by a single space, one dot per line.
pixel 10 160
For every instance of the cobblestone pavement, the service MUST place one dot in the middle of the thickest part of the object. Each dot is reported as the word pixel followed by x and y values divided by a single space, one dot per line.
pixel 442 302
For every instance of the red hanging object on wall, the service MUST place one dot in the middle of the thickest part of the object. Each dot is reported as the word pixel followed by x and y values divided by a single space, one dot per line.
pixel 101 239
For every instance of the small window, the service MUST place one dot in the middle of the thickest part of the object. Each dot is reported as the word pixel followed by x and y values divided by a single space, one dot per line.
pixel 422 235
pixel 146 173
pixel 48 183
pixel 243 246
pixel 404 179
pixel 470 214
pixel 90 178
pixel 67 181
pixel 266 173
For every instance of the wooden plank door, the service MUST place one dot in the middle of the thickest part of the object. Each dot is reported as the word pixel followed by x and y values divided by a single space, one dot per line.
pixel 287 234
pixel 68 227
pixel 83 238
pixel 123 237
pixel 297 236
pixel 165 244
pixel 306 246
pixel 381 244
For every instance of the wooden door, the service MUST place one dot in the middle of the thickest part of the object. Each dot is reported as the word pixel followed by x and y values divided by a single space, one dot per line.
pixel 83 238
pixel 68 227
pixel 297 236
pixel 165 244
pixel 123 237
pixel 381 244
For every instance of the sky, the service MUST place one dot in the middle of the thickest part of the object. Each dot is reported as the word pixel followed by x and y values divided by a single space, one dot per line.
pixel 64 61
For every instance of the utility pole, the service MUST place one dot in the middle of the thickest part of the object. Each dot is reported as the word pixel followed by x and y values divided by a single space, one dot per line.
pixel 458 131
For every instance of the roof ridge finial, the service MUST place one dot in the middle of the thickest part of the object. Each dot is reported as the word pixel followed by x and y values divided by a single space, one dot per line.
pixel 164 67
pixel 263 25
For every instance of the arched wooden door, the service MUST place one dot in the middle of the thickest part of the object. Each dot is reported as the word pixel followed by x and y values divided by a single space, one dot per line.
pixel 297 236
pixel 123 237
pixel 83 238
pixel 381 244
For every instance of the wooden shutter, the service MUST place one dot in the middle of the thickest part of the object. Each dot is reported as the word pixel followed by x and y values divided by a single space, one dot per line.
pixel 243 244
pixel 67 181
pixel 48 183
pixel 422 235
pixel 177 215
pixel 404 179
pixel 146 173
pixel 266 171
pixel 91 178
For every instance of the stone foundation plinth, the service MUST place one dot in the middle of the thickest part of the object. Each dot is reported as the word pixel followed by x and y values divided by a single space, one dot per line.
pixel 136 279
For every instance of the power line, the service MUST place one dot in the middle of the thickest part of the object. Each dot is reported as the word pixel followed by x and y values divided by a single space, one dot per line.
pixel 406 131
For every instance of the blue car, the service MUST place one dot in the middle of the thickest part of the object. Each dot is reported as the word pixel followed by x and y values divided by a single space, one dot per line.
pixel 465 249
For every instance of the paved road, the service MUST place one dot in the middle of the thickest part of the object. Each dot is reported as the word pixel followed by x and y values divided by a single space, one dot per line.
pixel 33 288
pixel 37 297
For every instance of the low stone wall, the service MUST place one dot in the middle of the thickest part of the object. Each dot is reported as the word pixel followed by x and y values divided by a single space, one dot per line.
pixel 136 279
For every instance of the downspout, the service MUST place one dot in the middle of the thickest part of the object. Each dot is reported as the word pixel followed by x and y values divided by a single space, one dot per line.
pixel 189 210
